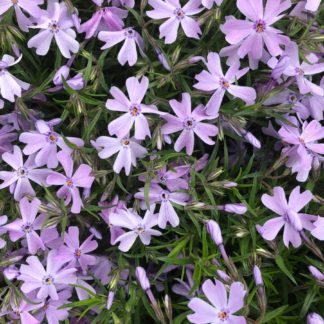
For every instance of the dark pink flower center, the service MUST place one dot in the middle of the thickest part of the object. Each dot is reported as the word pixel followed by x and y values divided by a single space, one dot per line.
pixel 27 227
pixel 223 315
pixel 189 123
pixel 259 26
pixel 130 33
pixel 52 138
pixel 48 280
pixel 69 182
pixel 179 13
pixel 53 26
pixel 77 253
pixel 135 110
pixel 165 196
pixel 125 142
pixel 224 83
pixel 163 178
pixel 22 172
pixel 299 71
pixel 140 229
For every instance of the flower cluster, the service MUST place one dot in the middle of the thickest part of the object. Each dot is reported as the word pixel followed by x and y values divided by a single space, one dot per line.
pixel 147 151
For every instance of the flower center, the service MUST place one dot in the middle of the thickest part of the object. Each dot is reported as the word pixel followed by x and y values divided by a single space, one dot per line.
pixel 292 98
pixel 53 26
pixel 52 138
pixel 222 315
pixel 130 33
pixel 224 83
pixel 27 228
pixel 48 280
pixel 189 123
pixel 179 13
pixel 22 172
pixel 165 196
pixel 69 182
pixel 299 71
pixel 135 110
pixel 259 26
pixel 17 313
pixel 14 2
pixel 301 140
pixel 140 229
pixel 163 178
pixel 125 142
pixel 77 253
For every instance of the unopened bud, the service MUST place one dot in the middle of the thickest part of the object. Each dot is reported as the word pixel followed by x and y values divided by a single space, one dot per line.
pixel 318 275
pixel 257 276
pixel 64 72
pixel 142 278
pixel 314 318
pixel 214 231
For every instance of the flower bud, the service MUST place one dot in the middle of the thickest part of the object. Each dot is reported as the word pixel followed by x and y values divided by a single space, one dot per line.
pixel 235 208
pixel 77 82
pixel 110 299
pixel 64 72
pixel 214 231
pixel 223 275
pixel 257 276
pixel 142 278
pixel 318 275
pixel 314 318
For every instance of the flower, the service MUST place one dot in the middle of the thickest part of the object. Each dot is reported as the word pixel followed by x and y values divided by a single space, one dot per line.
pixel 21 310
pixel 113 207
pixel 318 275
pixel 3 230
pixel 130 37
pixel 104 18
pixel 128 151
pixel 177 16
pixel 44 142
pixel 133 108
pixel 209 3
pixel 18 179
pixel 318 231
pixel 7 136
pixel 257 30
pixel 222 309
pixel 51 309
pixel 214 79
pixel 312 5
pixel 71 182
pixel 138 227
pixel 74 253
pixel 299 71
pixel 32 7
pixel 10 86
pixel 28 225
pixel 142 278
pixel 305 152
pixel 167 214
pixel 190 123
pixel 48 281
pixel 55 23
pixel 314 318
pixel 289 216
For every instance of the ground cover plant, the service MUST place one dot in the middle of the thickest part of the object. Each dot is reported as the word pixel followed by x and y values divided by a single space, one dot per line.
pixel 161 161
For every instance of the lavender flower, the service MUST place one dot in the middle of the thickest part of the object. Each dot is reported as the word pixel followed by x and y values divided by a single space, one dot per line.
pixel 214 79
pixel 28 225
pixel 55 23
pixel 189 123
pixel 10 86
pixel 74 253
pixel 293 221
pixel 48 281
pixel 177 15
pixel 71 182
pixel 222 309
pixel 128 51
pixel 45 142
pixel 128 151
pixel 133 109
pixel 19 178
pixel 137 226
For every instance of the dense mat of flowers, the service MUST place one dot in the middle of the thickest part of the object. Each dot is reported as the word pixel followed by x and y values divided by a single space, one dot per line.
pixel 161 161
